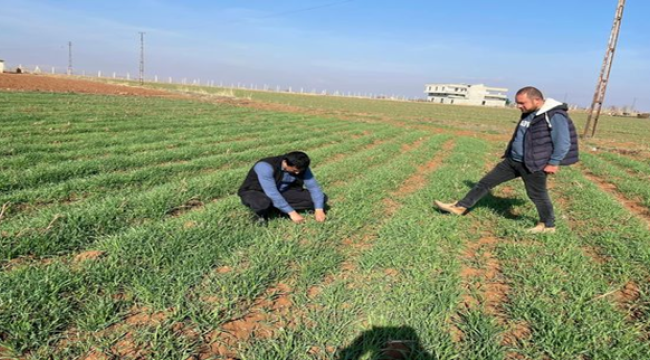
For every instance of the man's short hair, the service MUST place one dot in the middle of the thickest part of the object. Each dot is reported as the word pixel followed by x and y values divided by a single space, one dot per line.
pixel 531 92
pixel 298 159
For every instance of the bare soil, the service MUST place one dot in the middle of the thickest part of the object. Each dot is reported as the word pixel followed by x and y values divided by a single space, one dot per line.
pixel 56 84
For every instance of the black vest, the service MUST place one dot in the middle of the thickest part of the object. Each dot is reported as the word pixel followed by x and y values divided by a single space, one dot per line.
pixel 252 182
pixel 538 145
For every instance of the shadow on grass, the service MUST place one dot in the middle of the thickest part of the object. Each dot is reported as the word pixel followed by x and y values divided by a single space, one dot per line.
pixel 500 205
pixel 386 343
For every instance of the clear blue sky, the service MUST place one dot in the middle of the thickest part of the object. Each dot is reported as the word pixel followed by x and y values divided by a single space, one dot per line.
pixel 389 47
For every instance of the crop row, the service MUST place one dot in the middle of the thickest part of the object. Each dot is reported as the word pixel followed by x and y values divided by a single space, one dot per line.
pixel 51 173
pixel 75 129
pixel 153 141
pixel 60 228
pixel 641 168
pixel 303 254
pixel 140 260
pixel 403 285
pixel 561 289
pixel 634 187
pixel 59 109
pixel 99 185
pixel 39 139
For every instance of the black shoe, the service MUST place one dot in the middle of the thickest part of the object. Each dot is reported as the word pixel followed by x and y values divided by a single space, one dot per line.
pixel 260 221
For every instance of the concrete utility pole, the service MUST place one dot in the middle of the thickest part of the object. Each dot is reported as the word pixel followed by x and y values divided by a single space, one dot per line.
pixel 603 79
pixel 141 58
pixel 69 57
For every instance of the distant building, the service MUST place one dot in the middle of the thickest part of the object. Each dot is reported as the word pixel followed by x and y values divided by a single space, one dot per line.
pixel 463 94
pixel 2 66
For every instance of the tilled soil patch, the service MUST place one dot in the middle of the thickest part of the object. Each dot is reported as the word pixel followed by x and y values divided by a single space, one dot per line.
pixel 56 84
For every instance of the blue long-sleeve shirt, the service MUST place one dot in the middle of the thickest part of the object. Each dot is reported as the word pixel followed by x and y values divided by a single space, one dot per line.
pixel 264 173
pixel 560 136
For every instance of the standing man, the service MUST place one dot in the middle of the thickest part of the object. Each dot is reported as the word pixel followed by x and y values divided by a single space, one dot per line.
pixel 545 138
pixel 277 183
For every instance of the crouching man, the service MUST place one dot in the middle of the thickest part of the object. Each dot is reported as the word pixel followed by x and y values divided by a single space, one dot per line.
pixel 285 183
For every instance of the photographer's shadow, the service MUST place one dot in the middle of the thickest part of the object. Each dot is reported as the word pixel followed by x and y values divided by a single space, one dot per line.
pixel 385 343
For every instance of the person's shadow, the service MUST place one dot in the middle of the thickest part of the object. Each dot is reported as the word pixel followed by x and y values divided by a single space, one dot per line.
pixel 501 205
pixel 385 343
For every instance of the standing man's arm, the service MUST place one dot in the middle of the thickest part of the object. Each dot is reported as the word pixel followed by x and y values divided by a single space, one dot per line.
pixel 317 195
pixel 561 138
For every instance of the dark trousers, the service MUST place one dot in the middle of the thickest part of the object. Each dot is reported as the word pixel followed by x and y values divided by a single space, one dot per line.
pixel 299 199
pixel 507 170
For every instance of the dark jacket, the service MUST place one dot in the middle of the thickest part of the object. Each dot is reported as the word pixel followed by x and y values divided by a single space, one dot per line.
pixel 252 182
pixel 538 144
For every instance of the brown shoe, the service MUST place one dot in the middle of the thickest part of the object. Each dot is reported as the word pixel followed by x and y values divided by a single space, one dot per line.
pixel 450 208
pixel 540 228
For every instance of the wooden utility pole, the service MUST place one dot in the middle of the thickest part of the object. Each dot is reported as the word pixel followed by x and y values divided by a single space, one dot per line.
pixel 141 58
pixel 603 79
pixel 69 57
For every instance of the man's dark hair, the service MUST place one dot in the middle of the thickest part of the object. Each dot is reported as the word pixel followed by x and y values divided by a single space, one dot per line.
pixel 531 92
pixel 298 159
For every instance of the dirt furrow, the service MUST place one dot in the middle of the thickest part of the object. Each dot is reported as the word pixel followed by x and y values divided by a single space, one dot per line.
pixel 264 318
pixel 486 288
pixel 634 207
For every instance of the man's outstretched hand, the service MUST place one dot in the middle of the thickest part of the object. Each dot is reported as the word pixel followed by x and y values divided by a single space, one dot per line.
pixel 296 218
pixel 320 216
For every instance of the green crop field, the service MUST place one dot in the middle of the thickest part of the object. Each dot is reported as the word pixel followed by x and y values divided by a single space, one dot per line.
pixel 631 131
pixel 121 235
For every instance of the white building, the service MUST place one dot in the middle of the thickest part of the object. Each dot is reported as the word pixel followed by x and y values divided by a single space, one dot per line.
pixel 2 66
pixel 463 94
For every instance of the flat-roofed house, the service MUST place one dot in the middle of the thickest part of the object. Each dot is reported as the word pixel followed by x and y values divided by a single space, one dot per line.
pixel 464 94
